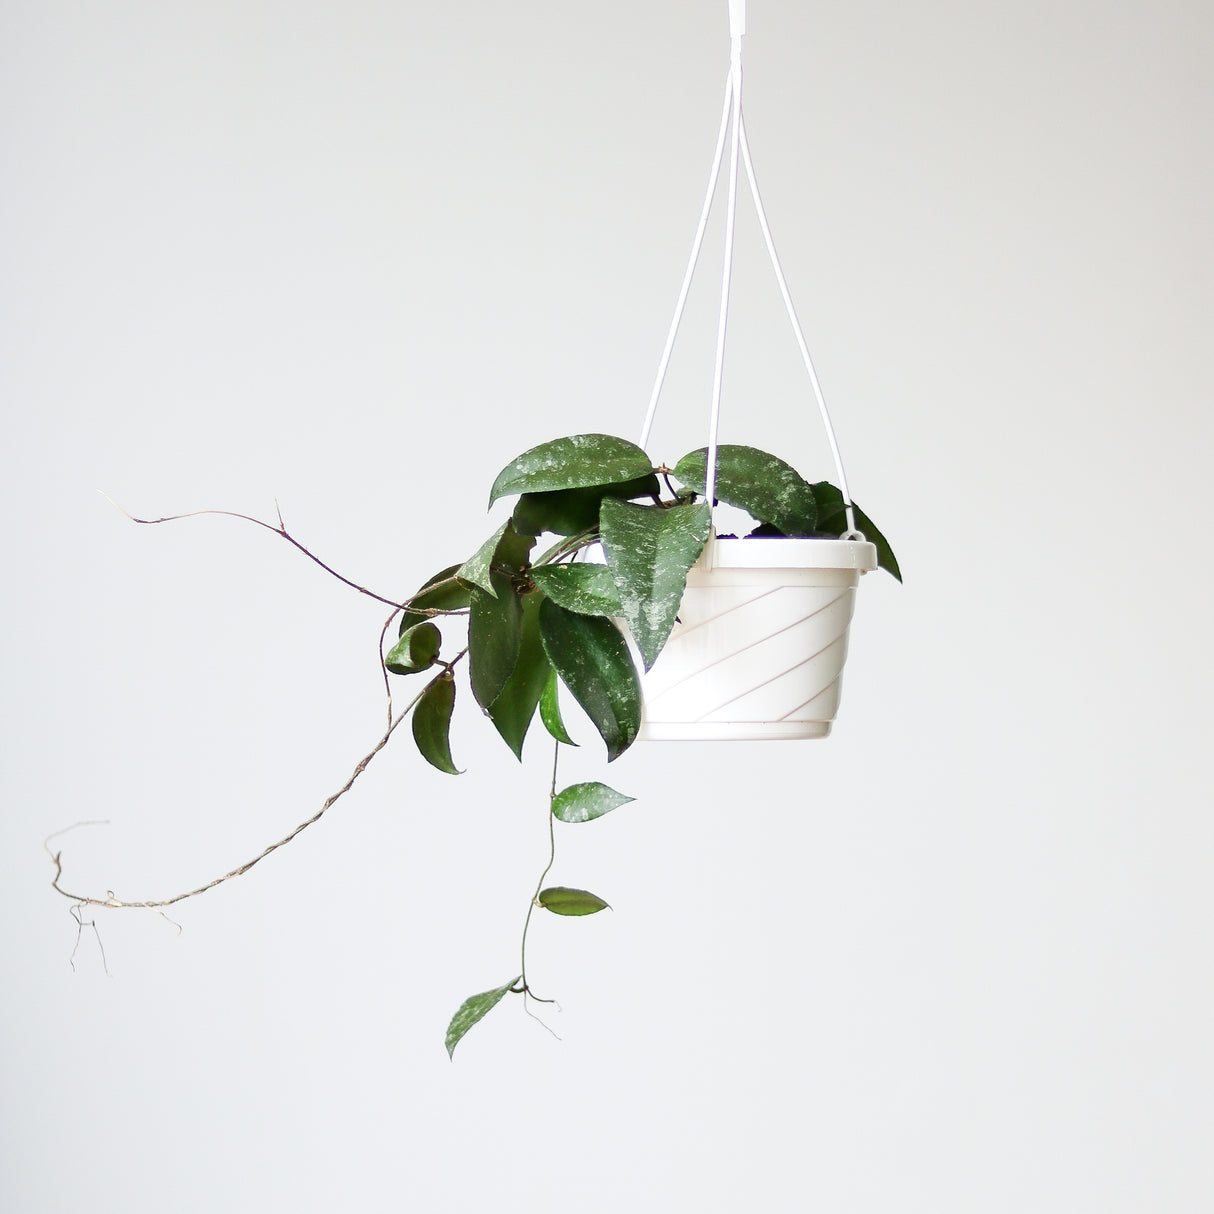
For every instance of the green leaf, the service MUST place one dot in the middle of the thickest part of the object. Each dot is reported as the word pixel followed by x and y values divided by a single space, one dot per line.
pixel 650 550
pixel 473 1011
pixel 432 724
pixel 832 520
pixel 475 570
pixel 579 462
pixel 495 629
pixel 550 710
pixel 586 589
pixel 572 511
pixel 562 901
pixel 416 650
pixel 443 592
pixel 515 705
pixel 585 802
pixel 592 658
pixel 506 548
pixel 513 549
pixel 763 485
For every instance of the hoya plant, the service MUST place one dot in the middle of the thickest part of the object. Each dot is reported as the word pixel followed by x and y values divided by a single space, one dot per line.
pixel 579 588
pixel 595 553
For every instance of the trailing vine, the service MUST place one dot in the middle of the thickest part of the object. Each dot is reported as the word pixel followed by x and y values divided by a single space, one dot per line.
pixel 551 625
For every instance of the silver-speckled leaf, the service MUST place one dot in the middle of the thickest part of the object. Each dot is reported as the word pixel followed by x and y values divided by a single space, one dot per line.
pixel 577 462
pixel 586 589
pixel 650 549
pixel 475 570
pixel 592 658
pixel 763 485
pixel 585 802
pixel 473 1010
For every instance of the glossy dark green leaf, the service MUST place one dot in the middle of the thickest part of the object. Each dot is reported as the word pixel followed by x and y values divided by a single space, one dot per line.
pixel 443 592
pixel 586 589
pixel 572 511
pixel 761 484
pixel 474 1010
pixel 585 802
pixel 650 550
pixel 592 658
pixel 416 650
pixel 562 901
pixel 578 462
pixel 832 520
pixel 495 629
pixel 475 570
pixel 506 548
pixel 432 724
pixel 513 549
pixel 514 707
pixel 550 710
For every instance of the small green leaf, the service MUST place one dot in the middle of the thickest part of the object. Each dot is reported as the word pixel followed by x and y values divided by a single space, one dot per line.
pixel 475 570
pixel 586 589
pixel 562 901
pixel 432 724
pixel 763 485
pixel 572 511
pixel 579 462
pixel 416 650
pixel 495 627
pixel 585 802
pixel 592 658
pixel 443 592
pixel 515 705
pixel 473 1010
pixel 650 549
pixel 550 710
pixel 832 520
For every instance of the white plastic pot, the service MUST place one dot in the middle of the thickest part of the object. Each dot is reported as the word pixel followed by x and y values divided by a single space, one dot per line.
pixel 760 642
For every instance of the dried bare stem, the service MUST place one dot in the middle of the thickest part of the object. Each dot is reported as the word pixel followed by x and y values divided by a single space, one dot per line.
pixel 156 904
pixel 383 666
pixel 81 924
pixel 280 530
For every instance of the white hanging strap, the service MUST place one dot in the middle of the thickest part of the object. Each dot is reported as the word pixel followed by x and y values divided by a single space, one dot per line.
pixel 731 211
pixel 696 245
pixel 800 336
pixel 731 120
pixel 737 19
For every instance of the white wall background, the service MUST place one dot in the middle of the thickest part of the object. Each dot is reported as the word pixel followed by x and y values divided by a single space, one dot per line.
pixel 356 256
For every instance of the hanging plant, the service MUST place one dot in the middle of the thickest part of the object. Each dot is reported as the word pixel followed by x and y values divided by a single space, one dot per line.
pixel 581 589
pixel 607 580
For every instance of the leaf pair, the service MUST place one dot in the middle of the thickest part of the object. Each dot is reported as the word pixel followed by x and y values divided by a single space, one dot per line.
pixel 650 548
pixel 774 493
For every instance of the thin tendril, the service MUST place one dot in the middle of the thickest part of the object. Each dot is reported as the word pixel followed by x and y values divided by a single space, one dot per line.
pixel 539 885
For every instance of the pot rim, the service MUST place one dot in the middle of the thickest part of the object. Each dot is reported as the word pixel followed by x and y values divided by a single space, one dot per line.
pixel 779 552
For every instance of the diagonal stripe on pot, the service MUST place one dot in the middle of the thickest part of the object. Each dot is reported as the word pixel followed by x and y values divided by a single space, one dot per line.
pixel 719 665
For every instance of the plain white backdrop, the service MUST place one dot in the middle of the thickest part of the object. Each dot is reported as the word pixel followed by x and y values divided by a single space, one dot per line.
pixel 355 257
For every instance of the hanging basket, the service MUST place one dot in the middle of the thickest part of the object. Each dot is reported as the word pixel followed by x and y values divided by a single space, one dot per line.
pixel 759 647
